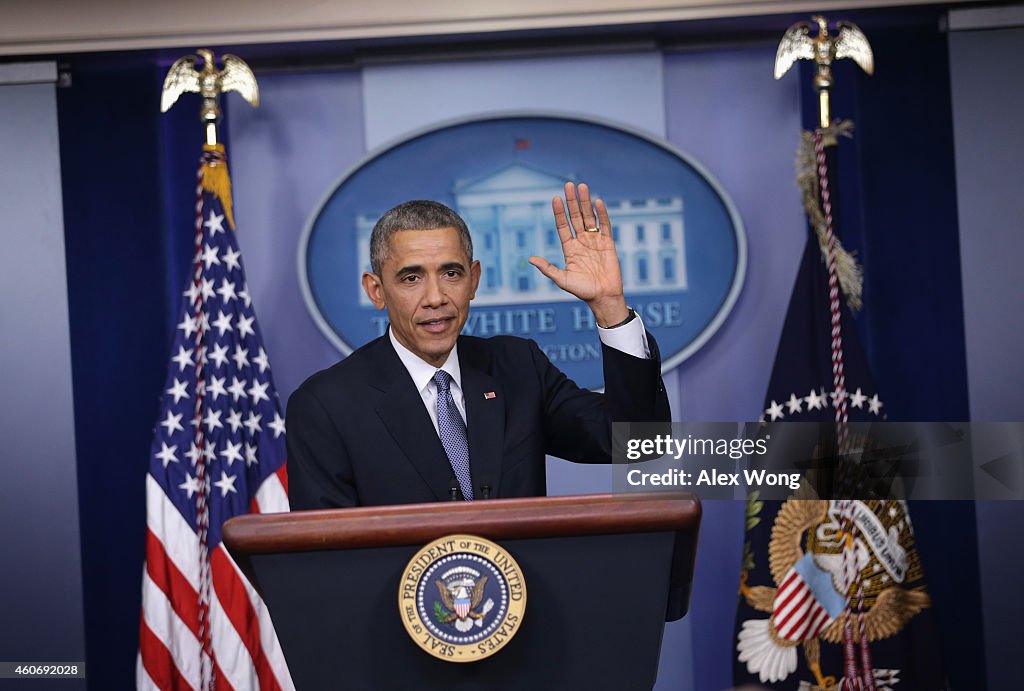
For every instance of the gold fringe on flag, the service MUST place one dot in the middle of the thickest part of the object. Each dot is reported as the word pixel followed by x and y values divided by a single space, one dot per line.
pixel 848 271
pixel 217 181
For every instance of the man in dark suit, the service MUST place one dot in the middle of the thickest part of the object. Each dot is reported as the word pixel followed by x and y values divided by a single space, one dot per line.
pixel 425 414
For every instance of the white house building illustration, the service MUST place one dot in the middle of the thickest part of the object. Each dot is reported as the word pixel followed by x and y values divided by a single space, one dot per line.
pixel 508 212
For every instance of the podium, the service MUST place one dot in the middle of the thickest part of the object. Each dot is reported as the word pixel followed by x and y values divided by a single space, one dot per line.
pixel 602 574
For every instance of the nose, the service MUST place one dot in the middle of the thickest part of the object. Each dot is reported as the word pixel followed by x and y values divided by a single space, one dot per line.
pixel 433 294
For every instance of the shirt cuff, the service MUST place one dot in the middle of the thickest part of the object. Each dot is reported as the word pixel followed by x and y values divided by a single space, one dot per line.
pixel 630 338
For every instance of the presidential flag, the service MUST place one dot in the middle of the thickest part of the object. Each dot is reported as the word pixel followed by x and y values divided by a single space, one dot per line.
pixel 218 451
pixel 832 592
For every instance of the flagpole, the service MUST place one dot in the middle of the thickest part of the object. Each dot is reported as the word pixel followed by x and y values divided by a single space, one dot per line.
pixel 211 177
pixel 202 625
pixel 824 49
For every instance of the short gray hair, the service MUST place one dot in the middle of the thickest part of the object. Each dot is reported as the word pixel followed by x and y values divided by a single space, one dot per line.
pixel 418 214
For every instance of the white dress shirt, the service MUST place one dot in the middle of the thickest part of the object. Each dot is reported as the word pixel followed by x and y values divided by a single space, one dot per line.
pixel 630 338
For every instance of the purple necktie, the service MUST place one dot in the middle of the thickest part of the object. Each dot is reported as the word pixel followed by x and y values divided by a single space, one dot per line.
pixel 452 431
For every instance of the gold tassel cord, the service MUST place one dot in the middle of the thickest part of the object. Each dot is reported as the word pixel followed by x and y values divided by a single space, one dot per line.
pixel 217 181
pixel 848 271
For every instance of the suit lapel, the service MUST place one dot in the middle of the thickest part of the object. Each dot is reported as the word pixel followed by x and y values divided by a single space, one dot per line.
pixel 401 409
pixel 485 414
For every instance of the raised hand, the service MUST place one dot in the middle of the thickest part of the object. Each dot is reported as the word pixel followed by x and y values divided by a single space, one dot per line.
pixel 591 270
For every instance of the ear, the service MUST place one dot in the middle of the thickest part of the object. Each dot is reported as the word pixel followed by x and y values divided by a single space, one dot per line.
pixel 374 289
pixel 474 276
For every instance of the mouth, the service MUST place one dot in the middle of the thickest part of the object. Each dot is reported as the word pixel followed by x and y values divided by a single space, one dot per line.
pixel 438 325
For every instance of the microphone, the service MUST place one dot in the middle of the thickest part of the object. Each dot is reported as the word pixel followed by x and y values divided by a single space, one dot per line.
pixel 453 490
pixel 485 489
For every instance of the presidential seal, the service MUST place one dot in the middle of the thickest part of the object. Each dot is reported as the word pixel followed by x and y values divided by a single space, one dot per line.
pixel 462 598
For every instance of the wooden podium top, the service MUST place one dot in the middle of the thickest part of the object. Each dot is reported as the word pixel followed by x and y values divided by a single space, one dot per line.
pixel 495 519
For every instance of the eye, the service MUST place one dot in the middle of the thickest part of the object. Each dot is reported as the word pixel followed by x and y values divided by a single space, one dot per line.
pixel 452 273
pixel 410 278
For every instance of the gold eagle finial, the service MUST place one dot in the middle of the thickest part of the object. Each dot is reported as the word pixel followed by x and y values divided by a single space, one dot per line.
pixel 797 44
pixel 210 83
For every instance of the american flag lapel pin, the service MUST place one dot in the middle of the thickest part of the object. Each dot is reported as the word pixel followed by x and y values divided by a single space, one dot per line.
pixel 489 395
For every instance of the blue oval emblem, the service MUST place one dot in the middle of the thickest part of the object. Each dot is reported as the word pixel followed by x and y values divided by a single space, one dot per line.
pixel 680 240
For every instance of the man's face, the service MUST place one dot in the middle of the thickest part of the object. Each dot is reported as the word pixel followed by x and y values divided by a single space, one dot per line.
pixel 426 284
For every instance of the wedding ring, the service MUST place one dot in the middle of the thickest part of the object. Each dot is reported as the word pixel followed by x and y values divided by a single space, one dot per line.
pixel 591 230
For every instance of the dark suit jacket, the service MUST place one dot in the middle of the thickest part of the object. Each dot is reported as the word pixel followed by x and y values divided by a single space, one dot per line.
pixel 359 434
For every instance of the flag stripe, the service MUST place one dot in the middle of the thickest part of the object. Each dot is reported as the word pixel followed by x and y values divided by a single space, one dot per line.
pixel 222 681
pixel 174 635
pixel 796 614
pixel 177 537
pixel 800 616
pixel 282 475
pixel 143 682
pixel 268 636
pixel 229 649
pixel 172 583
pixel 793 602
pixel 272 497
pixel 236 605
pixel 790 588
pixel 820 621
pixel 800 625
pixel 157 665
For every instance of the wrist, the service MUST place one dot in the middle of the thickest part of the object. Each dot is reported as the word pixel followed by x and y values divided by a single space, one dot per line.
pixel 630 316
pixel 610 313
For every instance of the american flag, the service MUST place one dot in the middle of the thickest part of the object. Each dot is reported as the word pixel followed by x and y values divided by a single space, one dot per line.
pixel 218 451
